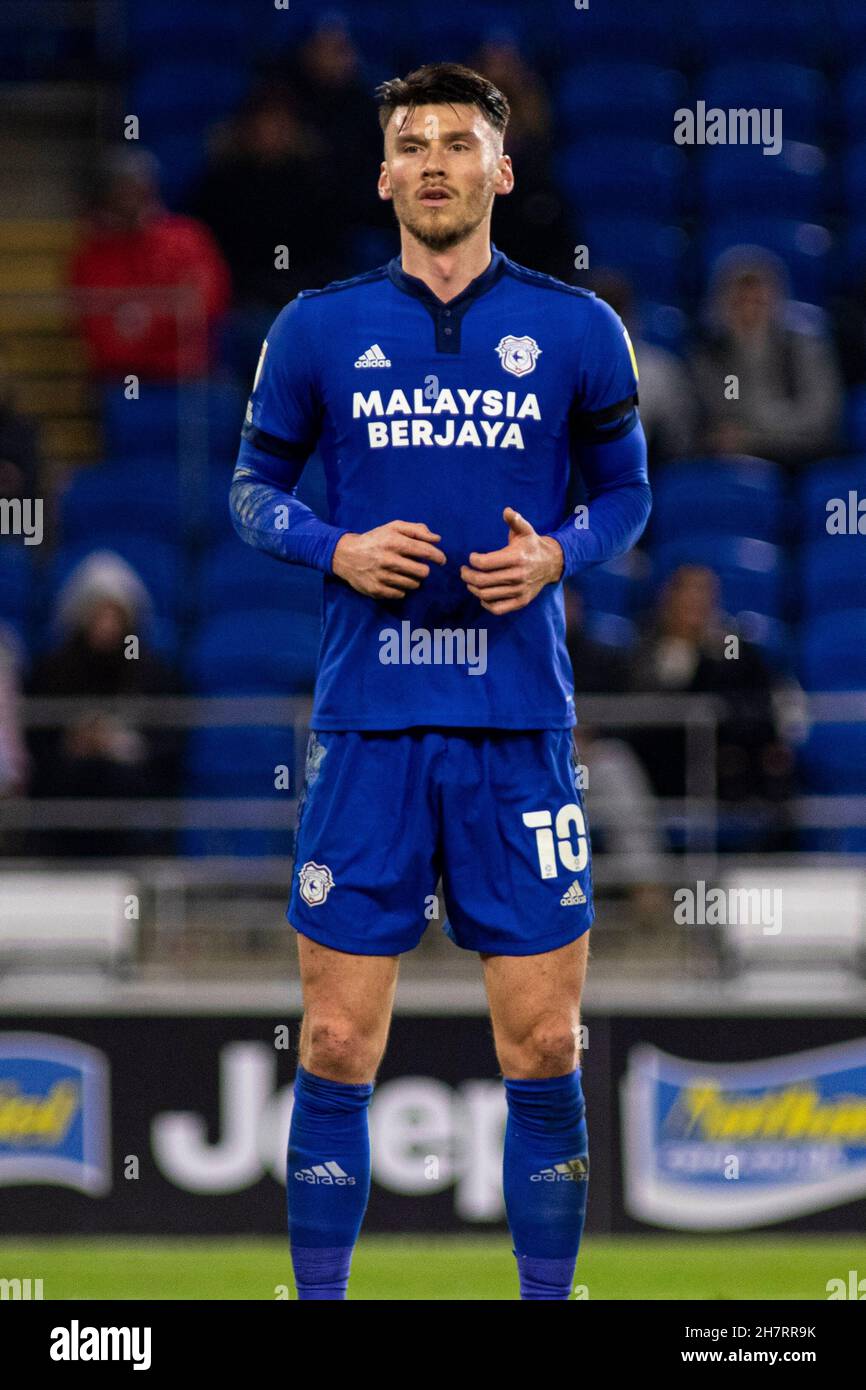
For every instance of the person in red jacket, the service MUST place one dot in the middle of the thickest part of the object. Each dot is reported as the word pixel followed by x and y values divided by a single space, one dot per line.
pixel 161 278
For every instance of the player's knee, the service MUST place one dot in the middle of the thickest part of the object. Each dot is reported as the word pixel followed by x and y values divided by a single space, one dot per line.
pixel 550 1049
pixel 339 1049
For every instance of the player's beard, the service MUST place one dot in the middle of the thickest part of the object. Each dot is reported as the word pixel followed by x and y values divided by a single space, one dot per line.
pixel 439 233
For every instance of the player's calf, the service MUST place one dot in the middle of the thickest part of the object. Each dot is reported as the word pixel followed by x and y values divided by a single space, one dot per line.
pixel 545 1178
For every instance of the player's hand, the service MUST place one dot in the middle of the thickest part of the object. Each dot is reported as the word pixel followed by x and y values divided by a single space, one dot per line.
pixel 388 561
pixel 504 580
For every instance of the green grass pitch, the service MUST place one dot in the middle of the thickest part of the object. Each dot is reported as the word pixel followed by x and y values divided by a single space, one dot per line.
pixel 436 1267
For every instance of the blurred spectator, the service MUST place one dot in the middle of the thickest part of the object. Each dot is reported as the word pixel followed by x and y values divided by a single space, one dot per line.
pixel 667 408
pixel 272 184
pixel 19 448
pixel 790 391
pixel 532 224
pixel 685 649
pixel 134 243
pixel 325 81
pixel 620 799
pixel 100 755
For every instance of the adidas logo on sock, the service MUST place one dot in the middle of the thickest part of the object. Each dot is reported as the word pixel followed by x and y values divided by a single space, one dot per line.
pixel 373 357
pixel 330 1174
pixel 573 1170
pixel 573 896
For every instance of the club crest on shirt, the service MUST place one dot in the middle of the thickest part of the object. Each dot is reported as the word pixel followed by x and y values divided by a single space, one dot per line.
pixel 518 355
pixel 316 882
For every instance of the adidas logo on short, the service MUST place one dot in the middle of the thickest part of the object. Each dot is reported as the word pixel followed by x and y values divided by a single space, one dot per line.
pixel 573 896
pixel 373 357
pixel 574 1170
pixel 330 1174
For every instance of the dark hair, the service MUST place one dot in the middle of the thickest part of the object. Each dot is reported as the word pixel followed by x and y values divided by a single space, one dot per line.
pixel 443 84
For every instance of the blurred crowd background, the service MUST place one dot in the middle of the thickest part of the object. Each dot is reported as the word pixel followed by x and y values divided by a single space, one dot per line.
pixel 138 277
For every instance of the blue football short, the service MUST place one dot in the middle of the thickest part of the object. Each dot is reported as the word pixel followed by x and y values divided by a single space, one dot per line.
pixel 499 815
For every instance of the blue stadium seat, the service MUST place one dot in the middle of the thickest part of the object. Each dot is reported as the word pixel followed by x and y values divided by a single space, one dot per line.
pixel 619 98
pixel 615 174
pixel 805 248
pixel 138 428
pixel 263 653
pixel 131 498
pixel 792 183
pixel 649 251
pixel 192 93
pixel 719 496
pixel 833 758
pixel 611 629
pixel 853 101
pixel 833 651
pixel 751 572
pixel 616 587
pixel 750 84
pixel 822 482
pixel 453 32
pixel 167 419
pixel 162 29
pixel 182 156
pixel 666 325
pixel 654 31
pixel 797 31
pixel 235 578
pixel 833 574
pixel 848 27
pixel 854 178
pixel 855 418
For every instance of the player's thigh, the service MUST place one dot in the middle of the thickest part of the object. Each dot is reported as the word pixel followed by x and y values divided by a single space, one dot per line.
pixel 348 1003
pixel 535 1008
pixel 517 858
pixel 366 842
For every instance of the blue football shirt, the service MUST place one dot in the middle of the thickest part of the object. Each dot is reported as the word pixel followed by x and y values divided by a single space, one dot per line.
pixel 443 413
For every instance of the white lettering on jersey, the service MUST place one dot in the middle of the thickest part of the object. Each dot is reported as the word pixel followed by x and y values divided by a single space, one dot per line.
pixel 414 432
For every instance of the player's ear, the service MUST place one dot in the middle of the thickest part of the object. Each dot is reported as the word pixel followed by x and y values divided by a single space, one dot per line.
pixel 384 183
pixel 504 175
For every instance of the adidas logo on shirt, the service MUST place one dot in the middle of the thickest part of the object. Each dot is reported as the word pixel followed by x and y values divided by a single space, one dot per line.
pixel 373 357
pixel 574 1170
pixel 573 896
pixel 330 1174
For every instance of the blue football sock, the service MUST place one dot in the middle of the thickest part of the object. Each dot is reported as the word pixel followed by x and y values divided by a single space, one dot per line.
pixel 545 1175
pixel 327 1181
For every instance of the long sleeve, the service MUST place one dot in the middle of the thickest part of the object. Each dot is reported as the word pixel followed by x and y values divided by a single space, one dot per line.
pixel 267 514
pixel 280 432
pixel 608 449
pixel 618 502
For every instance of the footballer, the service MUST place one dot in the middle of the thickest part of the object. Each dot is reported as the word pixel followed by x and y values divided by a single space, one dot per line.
pixel 456 399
